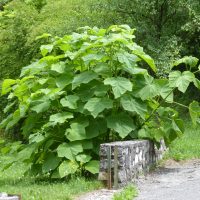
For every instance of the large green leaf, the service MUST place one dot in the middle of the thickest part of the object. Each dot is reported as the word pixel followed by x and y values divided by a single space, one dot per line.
pixel 33 68
pixel 67 168
pixel 96 127
pixel 41 107
pixel 6 86
pixel 164 90
pixel 4 122
pixel 129 60
pixel 83 158
pixel 50 163
pixel 84 93
pixel 26 153
pixel 36 137
pixel 93 57
pixel 178 126
pixel 134 105
pixel 84 77
pixel 121 123
pixel 137 50
pixel 58 67
pixel 181 80
pixel 45 49
pixel 135 70
pixel 30 123
pixel 21 90
pixel 119 85
pixel 158 134
pixel 87 144
pixel 64 80
pixel 93 167
pixel 194 110
pixel 144 134
pixel 97 105
pixel 69 150
pixel 16 116
pixel 188 60
pixel 103 69
pixel 70 101
pixel 77 130
pixel 150 89
pixel 52 59
pixel 60 118
pixel 100 89
pixel 197 83
pixel 8 107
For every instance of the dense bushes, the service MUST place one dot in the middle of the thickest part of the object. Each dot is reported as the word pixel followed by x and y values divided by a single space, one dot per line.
pixel 21 22
pixel 167 29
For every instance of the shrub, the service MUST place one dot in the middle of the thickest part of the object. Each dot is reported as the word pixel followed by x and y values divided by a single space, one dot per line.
pixel 88 89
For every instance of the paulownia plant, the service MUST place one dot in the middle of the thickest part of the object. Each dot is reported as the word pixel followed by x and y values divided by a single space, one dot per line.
pixel 90 87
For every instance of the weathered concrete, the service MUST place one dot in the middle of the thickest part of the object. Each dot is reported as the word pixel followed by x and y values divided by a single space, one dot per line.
pixel 133 158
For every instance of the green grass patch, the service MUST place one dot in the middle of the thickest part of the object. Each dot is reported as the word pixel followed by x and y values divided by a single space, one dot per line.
pixel 128 193
pixel 12 181
pixel 186 147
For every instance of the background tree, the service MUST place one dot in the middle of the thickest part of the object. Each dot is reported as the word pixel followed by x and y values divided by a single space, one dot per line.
pixel 159 25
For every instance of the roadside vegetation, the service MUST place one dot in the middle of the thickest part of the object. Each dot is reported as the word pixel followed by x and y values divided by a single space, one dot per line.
pixel 13 181
pixel 128 193
pixel 71 80
pixel 186 147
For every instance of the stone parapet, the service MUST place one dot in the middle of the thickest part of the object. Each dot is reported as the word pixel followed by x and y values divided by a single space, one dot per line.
pixel 122 162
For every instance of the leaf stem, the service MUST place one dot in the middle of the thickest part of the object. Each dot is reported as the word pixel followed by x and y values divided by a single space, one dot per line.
pixel 196 71
pixel 180 104
pixel 152 113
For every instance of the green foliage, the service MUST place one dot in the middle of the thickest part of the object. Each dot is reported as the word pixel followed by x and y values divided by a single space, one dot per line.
pixel 167 29
pixel 22 21
pixel 13 181
pixel 174 30
pixel 186 147
pixel 87 89
pixel 194 110
pixel 128 193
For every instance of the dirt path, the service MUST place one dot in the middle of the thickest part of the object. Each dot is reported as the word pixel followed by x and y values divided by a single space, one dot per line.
pixel 175 181
pixel 98 195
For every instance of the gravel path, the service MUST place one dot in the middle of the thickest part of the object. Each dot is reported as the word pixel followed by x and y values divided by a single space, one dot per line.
pixel 174 181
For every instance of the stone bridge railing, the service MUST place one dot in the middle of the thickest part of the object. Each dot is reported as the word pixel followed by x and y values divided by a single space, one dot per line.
pixel 122 162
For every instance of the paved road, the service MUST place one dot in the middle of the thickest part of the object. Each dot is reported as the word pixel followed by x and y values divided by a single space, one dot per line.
pixel 175 181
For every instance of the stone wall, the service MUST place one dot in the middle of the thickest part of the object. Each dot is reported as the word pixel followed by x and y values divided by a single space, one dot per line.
pixel 122 162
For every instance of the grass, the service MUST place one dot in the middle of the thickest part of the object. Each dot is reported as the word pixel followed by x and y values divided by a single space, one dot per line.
pixel 186 147
pixel 13 182
pixel 128 193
